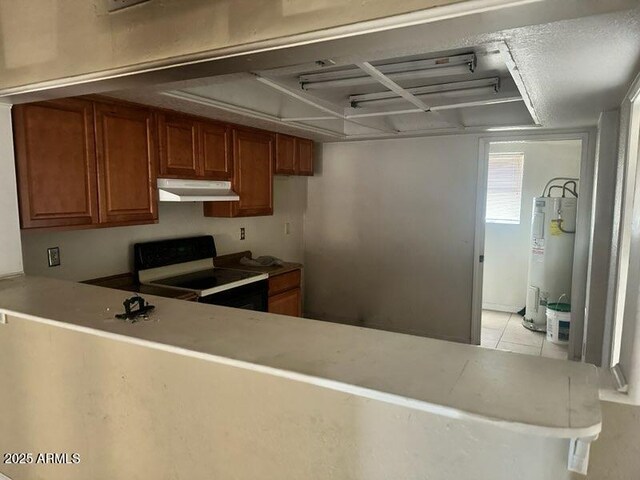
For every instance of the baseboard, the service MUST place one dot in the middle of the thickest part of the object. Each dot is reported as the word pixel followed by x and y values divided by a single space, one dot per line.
pixel 501 308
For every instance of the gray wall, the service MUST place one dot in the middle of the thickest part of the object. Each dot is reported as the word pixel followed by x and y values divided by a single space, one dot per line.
pixel 107 251
pixel 389 233
pixel 10 257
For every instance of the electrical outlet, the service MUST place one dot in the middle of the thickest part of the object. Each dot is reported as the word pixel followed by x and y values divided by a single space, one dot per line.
pixel 53 255
pixel 242 235
pixel 287 228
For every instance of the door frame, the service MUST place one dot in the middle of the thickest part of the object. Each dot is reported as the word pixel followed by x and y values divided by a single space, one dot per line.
pixel 583 228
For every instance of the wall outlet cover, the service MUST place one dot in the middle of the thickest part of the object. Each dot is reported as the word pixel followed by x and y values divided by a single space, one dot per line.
pixel 242 234
pixel 53 256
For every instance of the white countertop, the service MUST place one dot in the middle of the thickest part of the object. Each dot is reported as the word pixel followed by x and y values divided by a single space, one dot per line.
pixel 529 394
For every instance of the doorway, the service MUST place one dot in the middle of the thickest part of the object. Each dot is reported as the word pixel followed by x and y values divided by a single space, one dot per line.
pixel 530 210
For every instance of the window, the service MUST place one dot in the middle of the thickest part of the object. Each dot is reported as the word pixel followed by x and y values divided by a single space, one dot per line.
pixel 504 187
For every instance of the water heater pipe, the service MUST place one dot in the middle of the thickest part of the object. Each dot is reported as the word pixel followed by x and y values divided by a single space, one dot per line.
pixel 544 191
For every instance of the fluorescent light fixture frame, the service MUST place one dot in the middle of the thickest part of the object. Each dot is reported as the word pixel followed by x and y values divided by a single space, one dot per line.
pixel 472 87
pixel 435 67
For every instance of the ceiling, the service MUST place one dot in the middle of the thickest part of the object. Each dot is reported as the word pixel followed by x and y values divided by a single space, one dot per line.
pixel 556 75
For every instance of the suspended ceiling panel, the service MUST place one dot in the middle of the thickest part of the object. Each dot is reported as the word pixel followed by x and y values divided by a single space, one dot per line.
pixel 396 96
pixel 244 91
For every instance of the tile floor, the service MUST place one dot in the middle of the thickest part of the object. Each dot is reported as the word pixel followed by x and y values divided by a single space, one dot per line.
pixel 504 331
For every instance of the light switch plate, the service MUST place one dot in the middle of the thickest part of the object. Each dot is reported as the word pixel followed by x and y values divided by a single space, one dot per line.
pixel 53 256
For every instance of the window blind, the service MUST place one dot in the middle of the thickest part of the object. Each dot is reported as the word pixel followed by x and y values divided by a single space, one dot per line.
pixel 504 187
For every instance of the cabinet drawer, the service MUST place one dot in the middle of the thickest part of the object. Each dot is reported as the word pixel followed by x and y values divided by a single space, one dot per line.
pixel 286 303
pixel 284 282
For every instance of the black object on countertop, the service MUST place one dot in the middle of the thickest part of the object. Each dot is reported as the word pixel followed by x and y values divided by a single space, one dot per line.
pixel 134 315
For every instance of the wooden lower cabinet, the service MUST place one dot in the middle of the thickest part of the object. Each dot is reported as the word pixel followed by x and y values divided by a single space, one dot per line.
pixel 126 150
pixel 56 163
pixel 253 161
pixel 287 303
pixel 285 293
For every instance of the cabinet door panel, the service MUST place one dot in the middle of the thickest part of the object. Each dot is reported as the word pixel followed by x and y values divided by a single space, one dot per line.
pixel 304 156
pixel 125 141
pixel 178 138
pixel 216 162
pixel 285 155
pixel 286 303
pixel 56 163
pixel 253 152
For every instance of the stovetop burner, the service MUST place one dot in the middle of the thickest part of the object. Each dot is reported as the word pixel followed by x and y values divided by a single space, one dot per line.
pixel 206 279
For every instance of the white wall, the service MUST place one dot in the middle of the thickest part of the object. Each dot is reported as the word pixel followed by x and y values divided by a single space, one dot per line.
pixel 599 308
pixel 389 234
pixel 507 246
pixel 10 249
pixel 107 251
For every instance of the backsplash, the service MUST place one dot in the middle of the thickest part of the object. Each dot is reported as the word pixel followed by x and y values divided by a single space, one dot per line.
pixel 100 252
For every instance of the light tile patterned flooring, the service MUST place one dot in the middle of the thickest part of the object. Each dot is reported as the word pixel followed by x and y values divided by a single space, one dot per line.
pixel 504 331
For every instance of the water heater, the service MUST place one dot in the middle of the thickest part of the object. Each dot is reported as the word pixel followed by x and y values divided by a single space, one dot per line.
pixel 553 226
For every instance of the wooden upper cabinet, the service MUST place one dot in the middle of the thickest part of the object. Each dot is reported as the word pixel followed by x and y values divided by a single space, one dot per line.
pixel 253 162
pixel 93 162
pixel 178 139
pixel 56 163
pixel 126 151
pixel 304 156
pixel 216 161
pixel 285 154
pixel 194 149
pixel 294 155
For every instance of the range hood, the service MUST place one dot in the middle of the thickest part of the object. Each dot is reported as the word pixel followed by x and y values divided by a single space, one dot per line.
pixel 173 190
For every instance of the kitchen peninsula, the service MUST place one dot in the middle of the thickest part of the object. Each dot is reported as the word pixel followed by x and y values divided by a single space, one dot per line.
pixel 216 381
